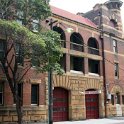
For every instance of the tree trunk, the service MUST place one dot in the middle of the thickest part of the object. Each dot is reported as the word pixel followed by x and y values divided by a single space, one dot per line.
pixel 19 109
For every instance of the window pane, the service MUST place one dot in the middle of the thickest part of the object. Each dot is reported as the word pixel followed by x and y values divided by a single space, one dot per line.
pixel 116 70
pixel 19 53
pixel 1 94
pixel 1 88
pixel 1 98
pixel 114 43
pixel 117 98
pixel 115 50
pixel 112 99
pixel 122 99
pixel 34 94
pixel 2 49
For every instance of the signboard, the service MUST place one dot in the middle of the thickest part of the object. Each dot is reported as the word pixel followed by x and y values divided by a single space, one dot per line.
pixel 92 92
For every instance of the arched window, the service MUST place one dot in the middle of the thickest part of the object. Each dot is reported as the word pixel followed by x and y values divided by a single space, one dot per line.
pixel 76 42
pixel 113 23
pixel 62 35
pixel 93 47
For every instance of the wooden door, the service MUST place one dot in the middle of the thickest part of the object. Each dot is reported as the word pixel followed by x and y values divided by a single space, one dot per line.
pixel 60 104
pixel 92 106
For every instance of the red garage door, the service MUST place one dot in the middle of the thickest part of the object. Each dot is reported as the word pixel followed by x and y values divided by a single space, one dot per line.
pixel 92 106
pixel 60 104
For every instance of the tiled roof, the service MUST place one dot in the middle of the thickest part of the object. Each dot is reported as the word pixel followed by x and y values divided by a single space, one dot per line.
pixel 72 16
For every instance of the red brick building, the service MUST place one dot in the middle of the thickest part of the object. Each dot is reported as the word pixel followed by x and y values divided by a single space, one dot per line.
pixel 108 18
pixel 92 85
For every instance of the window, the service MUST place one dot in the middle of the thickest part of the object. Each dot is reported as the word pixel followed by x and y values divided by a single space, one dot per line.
pixel 77 64
pixel 34 93
pixel 76 42
pixel 115 50
pixel 1 93
pixel 2 49
pixel 123 99
pixel 93 66
pixel 113 23
pixel 116 70
pixel 117 98
pixel 112 99
pixel 18 50
pixel 93 46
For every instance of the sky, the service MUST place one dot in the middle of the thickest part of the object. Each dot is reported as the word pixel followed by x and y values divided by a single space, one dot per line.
pixel 83 6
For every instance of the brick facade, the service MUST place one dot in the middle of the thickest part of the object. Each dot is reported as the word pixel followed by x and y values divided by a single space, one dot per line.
pixel 76 83
pixel 103 15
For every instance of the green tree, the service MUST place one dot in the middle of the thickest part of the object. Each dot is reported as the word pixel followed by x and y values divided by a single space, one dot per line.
pixel 20 42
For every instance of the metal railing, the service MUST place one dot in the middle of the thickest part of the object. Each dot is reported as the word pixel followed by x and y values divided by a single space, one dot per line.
pixel 77 47
pixel 92 50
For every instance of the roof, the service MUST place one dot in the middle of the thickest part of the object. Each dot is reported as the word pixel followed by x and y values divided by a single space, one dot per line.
pixel 72 16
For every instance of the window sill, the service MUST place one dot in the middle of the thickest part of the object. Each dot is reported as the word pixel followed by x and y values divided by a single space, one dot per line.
pixel 77 72
pixel 34 104
pixel 93 74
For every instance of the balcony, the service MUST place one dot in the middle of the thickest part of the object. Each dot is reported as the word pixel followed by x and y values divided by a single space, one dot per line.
pixel 93 51
pixel 77 47
pixel 93 46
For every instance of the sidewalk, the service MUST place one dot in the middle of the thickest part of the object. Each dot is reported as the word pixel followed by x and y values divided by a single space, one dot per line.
pixel 114 120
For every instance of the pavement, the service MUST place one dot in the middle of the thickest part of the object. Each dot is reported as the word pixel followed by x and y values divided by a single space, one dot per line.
pixel 114 120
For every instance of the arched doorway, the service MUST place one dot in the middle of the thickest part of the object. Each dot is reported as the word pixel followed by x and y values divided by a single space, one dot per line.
pixel 92 104
pixel 60 104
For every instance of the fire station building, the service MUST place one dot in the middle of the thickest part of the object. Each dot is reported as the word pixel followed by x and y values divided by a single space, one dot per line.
pixel 92 85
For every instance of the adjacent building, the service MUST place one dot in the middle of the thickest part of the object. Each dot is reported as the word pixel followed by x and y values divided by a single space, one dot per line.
pixel 107 17
pixel 93 62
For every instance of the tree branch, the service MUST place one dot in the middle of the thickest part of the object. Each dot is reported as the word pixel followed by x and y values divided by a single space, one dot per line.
pixel 24 74
pixel 9 49
pixel 23 71
pixel 5 68
pixel 9 64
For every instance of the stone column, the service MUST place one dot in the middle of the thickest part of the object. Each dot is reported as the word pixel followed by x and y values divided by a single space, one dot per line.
pixel 67 62
pixel 86 70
